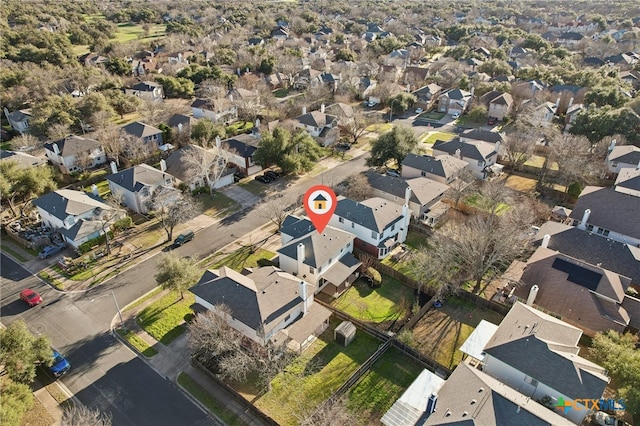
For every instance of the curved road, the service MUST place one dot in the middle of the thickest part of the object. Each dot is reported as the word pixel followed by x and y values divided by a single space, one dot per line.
pixel 105 374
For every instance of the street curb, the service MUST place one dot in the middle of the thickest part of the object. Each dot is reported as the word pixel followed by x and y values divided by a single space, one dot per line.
pixel 195 400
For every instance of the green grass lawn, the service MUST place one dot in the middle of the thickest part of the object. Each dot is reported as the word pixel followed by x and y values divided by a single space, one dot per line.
pixel 440 332
pixel 128 32
pixel 242 258
pixel 253 186
pixel 103 188
pixel 388 302
pixel 163 318
pixel 381 386
pixel 280 93
pixel 537 161
pixel 476 201
pixel 437 116
pixel 380 128
pixel 431 137
pixel 217 204
pixel 239 127
pixel 139 344
pixel 314 376
pixel 143 299
pixel 416 240
pixel 199 393
pixel 13 253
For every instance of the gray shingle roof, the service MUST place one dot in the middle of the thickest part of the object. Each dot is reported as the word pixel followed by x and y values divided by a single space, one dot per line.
pixel 318 248
pixel 376 214
pixel 615 256
pixel 296 227
pixel 471 397
pixel 65 202
pixel 73 145
pixel 627 154
pixel 612 210
pixel 527 334
pixel 23 159
pixel 441 165
pixel 19 115
pixel 146 86
pixel 629 178
pixel 177 119
pixel 474 149
pixel 137 177
pixel 316 119
pixel 141 130
pixel 263 298
pixel 423 190
pixel 244 145
pixel 482 135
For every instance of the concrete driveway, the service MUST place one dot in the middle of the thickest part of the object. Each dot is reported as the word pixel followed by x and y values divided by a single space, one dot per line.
pixel 241 195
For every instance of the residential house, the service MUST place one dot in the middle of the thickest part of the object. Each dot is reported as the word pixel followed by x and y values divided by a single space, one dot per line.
pixel 19 120
pixel 567 95
pixel 411 406
pixel 454 101
pixel 92 59
pixel 398 57
pixel 500 106
pixel 390 73
pixel 424 195
pixel 239 151
pixel 426 96
pixel 267 305
pixel 75 153
pixel 621 60
pixel 471 396
pixel 481 156
pixel 632 77
pixel 151 137
pixel 324 260
pixel 593 61
pixel 609 213
pixel 569 39
pixel 518 52
pixel 23 160
pixel 180 165
pixel 571 115
pixel 628 181
pixel 181 125
pixel 442 168
pixel 344 112
pixel 78 216
pixel 138 185
pixel 280 34
pixel 543 114
pixel 255 41
pixel 379 225
pixel 538 355
pixel 588 296
pixel 220 110
pixel 146 90
pixel 621 157
pixel 321 126
pixel 416 76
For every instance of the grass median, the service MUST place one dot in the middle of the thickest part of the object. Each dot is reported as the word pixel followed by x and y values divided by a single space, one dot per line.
pixel 212 404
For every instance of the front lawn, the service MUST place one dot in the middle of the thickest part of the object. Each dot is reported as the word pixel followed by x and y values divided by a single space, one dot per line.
pixel 388 302
pixel 441 331
pixel 212 206
pixel 431 137
pixel 242 258
pixel 382 385
pixel 312 377
pixel 380 128
pixel 435 116
pixel 164 318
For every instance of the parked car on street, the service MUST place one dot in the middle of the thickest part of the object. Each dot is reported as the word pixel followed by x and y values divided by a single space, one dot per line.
pixel 49 251
pixel 263 179
pixel 183 238
pixel 60 364
pixel 271 174
pixel 30 297
pixel 344 145
pixel 419 110
pixel 455 115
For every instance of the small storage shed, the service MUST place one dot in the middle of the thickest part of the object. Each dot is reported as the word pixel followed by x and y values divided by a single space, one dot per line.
pixel 344 333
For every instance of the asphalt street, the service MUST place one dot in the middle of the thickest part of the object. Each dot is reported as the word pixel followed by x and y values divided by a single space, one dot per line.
pixel 104 373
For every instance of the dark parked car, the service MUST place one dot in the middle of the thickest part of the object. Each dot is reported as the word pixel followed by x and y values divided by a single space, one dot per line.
pixel 183 238
pixel 263 179
pixel 344 145
pixel 49 251
pixel 237 176
pixel 273 175
pixel 60 364
pixel 30 297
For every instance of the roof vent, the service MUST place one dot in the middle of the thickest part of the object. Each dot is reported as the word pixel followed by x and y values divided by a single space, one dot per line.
pixel 448 413
pixel 473 401
pixel 480 390
pixel 465 414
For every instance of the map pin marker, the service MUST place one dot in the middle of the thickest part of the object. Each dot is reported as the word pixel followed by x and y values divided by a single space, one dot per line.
pixel 320 202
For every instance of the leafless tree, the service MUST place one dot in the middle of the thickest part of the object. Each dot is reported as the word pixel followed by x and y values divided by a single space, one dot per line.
pixel 27 142
pixel 113 141
pixel 576 159
pixel 460 186
pixel 518 148
pixel 172 208
pixel 152 112
pixel 204 164
pixel 356 126
pixel 277 209
pixel 330 413
pixel 356 188
pixel 81 415
pixel 58 131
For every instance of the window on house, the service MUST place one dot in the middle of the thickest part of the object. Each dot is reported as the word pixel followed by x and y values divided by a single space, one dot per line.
pixel 614 164
pixel 312 270
pixel 374 235
pixel 589 228
pixel 353 225
pixel 287 318
pixel 602 231
pixel 393 227
pixel 341 219
pixel 480 163
pixel 423 174
pixel 531 381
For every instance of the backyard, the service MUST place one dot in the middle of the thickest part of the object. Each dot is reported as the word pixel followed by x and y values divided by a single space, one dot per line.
pixel 382 385
pixel 521 184
pixel 382 305
pixel 314 376
pixel 441 331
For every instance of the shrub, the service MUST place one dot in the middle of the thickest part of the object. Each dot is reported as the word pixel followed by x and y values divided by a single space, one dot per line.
pixel 122 224
pixel 374 275
pixel 200 190
pixel 85 247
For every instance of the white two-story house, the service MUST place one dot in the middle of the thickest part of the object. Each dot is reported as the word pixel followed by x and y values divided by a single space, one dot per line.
pixel 322 127
pixel 75 153
pixel 325 260
pixel 78 216
pixel 379 224
pixel 138 184
pixel 479 155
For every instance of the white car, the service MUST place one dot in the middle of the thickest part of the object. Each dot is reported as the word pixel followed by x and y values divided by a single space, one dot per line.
pixel 455 115
pixel 419 110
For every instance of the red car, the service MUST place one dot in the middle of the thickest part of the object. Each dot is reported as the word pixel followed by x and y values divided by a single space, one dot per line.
pixel 30 297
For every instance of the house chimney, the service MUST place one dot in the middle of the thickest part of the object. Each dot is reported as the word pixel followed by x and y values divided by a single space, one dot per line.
pixel 404 227
pixel 114 167
pixel 431 404
pixel 304 110
pixel 458 154
pixel 94 190
pixel 497 149
pixel 163 165
pixel 218 143
pixel 570 102
pixel 300 257
pixel 612 145
pixel 303 295
pixel 55 148
pixel 638 166
pixel 532 295
pixel 407 195
pixel 557 102
pixel 545 240
pixel 322 108
pixel 585 218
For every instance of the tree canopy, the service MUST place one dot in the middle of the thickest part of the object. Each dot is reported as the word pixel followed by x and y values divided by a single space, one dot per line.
pixel 177 273
pixel 21 351
pixel 293 152
pixel 393 145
